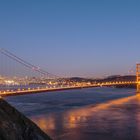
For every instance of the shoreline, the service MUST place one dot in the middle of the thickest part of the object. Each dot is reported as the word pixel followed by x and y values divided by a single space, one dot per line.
pixel 15 125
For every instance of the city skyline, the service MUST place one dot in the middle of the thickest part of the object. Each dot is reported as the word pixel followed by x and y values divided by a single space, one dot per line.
pixel 73 38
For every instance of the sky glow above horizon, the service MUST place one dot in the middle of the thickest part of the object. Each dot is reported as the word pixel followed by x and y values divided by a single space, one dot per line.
pixel 88 38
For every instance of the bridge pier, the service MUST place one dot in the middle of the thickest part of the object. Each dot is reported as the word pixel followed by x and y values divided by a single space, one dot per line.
pixel 138 77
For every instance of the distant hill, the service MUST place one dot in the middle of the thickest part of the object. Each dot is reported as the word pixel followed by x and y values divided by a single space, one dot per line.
pixel 110 78
pixel 121 78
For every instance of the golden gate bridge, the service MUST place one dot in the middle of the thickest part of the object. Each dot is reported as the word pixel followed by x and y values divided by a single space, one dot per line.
pixel 26 78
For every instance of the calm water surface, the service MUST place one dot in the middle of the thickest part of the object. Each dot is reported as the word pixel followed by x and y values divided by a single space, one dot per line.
pixel 86 114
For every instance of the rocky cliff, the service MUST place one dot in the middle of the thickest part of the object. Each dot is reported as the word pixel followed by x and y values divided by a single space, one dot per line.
pixel 15 126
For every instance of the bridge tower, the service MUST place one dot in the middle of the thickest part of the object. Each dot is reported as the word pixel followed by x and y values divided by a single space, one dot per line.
pixel 138 77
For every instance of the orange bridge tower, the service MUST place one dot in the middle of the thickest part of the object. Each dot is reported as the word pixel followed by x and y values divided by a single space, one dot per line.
pixel 138 77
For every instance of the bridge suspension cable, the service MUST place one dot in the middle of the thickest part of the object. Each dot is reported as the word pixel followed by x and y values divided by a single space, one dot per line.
pixel 132 70
pixel 27 64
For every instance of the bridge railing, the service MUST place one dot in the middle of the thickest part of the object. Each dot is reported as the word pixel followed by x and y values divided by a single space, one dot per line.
pixel 23 90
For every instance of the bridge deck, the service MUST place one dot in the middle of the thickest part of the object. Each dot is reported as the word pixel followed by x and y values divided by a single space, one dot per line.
pixel 31 91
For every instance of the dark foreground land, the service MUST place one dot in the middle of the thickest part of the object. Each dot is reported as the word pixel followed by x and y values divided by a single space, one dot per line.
pixel 15 126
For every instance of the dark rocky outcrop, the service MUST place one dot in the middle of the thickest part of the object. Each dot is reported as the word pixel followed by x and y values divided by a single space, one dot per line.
pixel 15 126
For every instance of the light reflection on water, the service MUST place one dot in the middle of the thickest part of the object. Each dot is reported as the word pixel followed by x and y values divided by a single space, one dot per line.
pixel 117 120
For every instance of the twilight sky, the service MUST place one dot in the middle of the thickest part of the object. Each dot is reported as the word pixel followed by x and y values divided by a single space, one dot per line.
pixel 73 37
